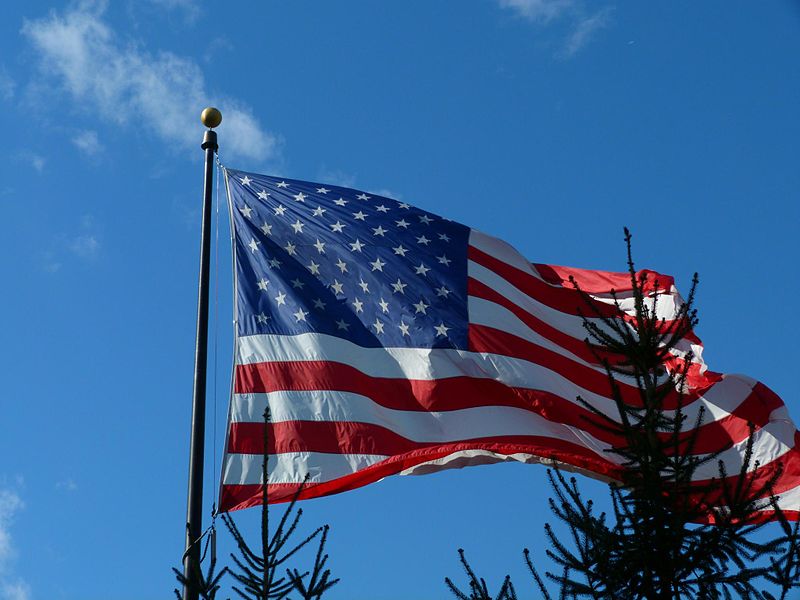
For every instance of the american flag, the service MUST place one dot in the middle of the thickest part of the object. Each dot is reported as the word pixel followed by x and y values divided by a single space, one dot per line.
pixel 388 340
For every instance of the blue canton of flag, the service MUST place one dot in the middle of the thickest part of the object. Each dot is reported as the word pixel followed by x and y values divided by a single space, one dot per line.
pixel 344 262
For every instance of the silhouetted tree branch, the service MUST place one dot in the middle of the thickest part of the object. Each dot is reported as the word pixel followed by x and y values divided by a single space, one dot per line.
pixel 671 536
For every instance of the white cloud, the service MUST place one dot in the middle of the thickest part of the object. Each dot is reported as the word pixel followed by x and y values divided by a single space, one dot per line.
pixel 85 246
pixel 17 590
pixel 125 84
pixel 83 242
pixel 190 8
pixel 336 177
pixel 50 263
pixel 584 30
pixel 67 485
pixel 10 504
pixel 582 24
pixel 88 143
pixel 342 179
pixel 7 85
pixel 216 45
pixel 386 193
pixel 11 588
pixel 538 10
pixel 37 161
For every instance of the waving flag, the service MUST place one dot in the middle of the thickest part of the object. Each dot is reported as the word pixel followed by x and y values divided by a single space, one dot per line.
pixel 389 340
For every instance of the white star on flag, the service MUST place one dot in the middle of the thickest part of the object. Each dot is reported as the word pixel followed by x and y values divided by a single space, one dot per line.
pixel 421 307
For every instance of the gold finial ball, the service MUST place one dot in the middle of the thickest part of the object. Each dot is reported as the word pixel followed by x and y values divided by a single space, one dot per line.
pixel 211 117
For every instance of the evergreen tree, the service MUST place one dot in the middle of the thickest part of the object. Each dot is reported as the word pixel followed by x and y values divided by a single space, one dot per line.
pixel 265 575
pixel 669 538
pixel 207 584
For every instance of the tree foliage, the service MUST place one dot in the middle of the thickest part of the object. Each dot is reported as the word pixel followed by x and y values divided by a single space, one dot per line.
pixel 207 584
pixel 669 537
pixel 268 572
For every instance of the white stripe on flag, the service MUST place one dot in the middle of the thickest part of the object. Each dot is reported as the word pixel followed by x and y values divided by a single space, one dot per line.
pixel 417 426
pixel 292 467
pixel 770 442
pixel 485 312
pixel 421 364
pixel 501 250
pixel 571 325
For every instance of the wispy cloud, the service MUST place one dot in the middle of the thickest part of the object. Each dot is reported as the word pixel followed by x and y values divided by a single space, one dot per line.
pixel 10 504
pixel 216 45
pixel 67 485
pixel 585 30
pixel 582 23
pixel 538 10
pixel 85 246
pixel 16 590
pixel 121 82
pixel 336 177
pixel 11 588
pixel 342 179
pixel 37 161
pixel 189 8
pixel 84 242
pixel 386 193
pixel 51 262
pixel 7 85
pixel 88 143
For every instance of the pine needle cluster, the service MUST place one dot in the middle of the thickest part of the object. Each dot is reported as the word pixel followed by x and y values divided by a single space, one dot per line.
pixel 669 537
pixel 207 584
pixel 267 573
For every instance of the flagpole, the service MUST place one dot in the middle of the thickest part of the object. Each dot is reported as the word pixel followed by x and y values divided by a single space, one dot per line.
pixel 211 118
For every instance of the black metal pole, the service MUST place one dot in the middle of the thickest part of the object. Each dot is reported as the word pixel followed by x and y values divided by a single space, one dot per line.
pixel 194 505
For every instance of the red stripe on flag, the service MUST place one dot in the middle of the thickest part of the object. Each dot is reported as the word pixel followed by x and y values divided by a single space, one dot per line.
pixel 362 438
pixel 602 282
pixel 566 300
pixel 464 392
pixel 788 463
pixel 495 341
pixel 235 497
pixel 577 347
pixel 452 393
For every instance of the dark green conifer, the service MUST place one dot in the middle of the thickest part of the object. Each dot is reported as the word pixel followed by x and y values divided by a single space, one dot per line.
pixel 207 584
pixel 668 537
pixel 266 575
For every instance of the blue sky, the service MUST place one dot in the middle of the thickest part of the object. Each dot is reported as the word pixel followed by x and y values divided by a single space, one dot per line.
pixel 549 123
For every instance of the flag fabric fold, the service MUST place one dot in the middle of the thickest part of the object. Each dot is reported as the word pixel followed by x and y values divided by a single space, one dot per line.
pixel 388 340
